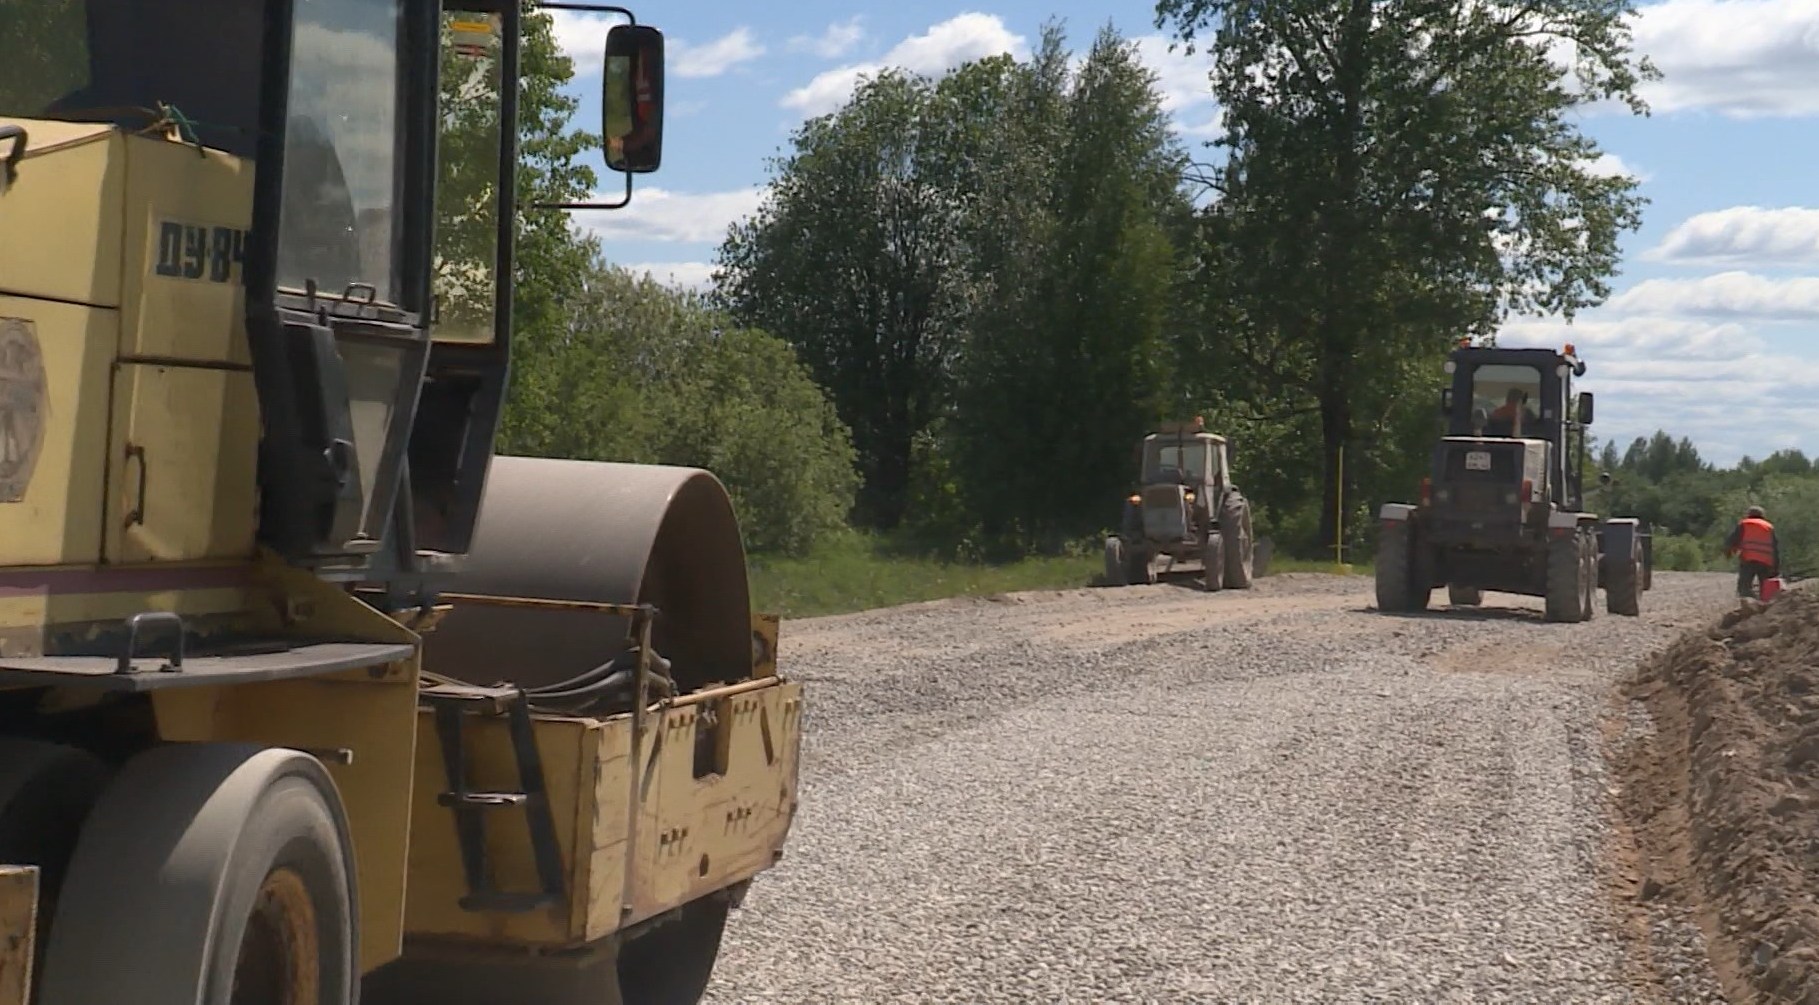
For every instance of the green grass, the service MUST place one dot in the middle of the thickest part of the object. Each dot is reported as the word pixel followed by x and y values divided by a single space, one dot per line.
pixel 857 573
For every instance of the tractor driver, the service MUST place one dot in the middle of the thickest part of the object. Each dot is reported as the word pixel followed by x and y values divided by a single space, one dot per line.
pixel 1504 419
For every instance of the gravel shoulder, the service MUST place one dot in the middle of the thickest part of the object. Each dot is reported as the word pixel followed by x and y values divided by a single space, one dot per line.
pixel 1153 794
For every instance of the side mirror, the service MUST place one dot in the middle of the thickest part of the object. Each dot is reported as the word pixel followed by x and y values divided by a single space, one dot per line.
pixel 1446 401
pixel 1585 408
pixel 633 98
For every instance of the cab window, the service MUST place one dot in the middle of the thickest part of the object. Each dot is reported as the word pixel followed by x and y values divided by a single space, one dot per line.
pixel 340 221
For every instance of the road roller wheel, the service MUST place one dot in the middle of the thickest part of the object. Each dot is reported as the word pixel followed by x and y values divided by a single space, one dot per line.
pixel 669 964
pixel 46 791
pixel 672 963
pixel 209 873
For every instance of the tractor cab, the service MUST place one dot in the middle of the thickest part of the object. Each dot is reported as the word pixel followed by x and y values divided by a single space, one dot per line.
pixel 1497 395
pixel 1184 453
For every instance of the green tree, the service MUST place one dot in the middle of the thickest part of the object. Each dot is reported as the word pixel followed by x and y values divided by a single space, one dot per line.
pixel 651 375
pixel 1397 175
pixel 852 259
pixel 1067 363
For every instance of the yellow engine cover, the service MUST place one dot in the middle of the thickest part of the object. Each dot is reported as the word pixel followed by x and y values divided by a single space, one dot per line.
pixel 128 419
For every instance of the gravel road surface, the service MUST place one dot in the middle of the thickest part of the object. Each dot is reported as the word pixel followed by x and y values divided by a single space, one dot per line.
pixel 1154 794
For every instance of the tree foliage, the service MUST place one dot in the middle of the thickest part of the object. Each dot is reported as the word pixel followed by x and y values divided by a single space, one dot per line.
pixel 1397 175
pixel 607 367
pixel 980 270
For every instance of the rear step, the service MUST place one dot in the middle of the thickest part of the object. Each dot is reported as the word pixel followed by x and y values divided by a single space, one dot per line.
pixel 453 705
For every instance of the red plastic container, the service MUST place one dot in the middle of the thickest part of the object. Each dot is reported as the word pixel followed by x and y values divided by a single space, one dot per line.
pixel 1771 587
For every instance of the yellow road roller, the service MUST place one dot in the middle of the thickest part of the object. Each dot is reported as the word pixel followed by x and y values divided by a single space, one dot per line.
pixel 306 697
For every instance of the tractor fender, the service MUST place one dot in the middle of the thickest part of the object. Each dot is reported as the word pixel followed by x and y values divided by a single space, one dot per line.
pixel 598 532
pixel 1396 512
pixel 1562 519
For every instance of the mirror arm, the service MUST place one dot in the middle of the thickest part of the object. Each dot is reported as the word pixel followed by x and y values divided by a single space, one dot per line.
pixel 593 7
pixel 622 203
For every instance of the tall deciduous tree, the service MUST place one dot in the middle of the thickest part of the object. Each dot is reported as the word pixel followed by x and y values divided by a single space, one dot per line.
pixel 1398 174
pixel 852 259
pixel 1067 362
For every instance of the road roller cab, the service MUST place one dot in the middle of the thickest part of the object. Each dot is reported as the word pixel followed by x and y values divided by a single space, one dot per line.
pixel 303 692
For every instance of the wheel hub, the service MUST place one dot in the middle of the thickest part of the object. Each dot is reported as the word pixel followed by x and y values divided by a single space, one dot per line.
pixel 280 954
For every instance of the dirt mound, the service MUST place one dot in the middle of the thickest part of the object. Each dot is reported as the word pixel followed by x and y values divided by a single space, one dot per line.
pixel 1723 798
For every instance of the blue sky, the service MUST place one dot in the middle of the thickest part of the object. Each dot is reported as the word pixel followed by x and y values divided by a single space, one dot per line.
pixel 1712 330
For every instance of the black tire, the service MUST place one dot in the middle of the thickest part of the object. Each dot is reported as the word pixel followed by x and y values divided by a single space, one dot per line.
pixel 1588 544
pixel 1464 596
pixel 1395 567
pixel 46 792
pixel 1565 600
pixel 1623 587
pixel 1212 556
pixel 1114 562
pixel 1141 567
pixel 1240 545
pixel 204 865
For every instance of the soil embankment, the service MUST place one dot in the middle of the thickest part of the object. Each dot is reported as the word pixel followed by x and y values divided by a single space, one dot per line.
pixel 1721 791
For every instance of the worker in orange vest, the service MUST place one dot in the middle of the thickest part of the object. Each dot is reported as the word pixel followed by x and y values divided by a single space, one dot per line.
pixel 1757 548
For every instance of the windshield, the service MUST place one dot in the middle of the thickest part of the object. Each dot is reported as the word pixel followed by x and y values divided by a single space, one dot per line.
pixel 1170 460
pixel 119 61
pixel 340 223
pixel 1509 398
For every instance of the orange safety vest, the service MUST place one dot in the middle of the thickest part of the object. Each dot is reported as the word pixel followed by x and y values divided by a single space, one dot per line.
pixel 1757 542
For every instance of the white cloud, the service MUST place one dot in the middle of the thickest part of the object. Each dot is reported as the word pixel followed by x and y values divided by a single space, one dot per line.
pixel 835 41
pixel 658 214
pixel 697 276
pixel 1742 58
pixel 1786 235
pixel 716 57
pixel 1609 165
pixel 942 47
pixel 1713 359
pixel 1733 295
pixel 1185 84
pixel 582 38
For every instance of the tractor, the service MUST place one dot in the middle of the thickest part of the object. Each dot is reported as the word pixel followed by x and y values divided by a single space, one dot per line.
pixel 1186 511
pixel 1504 508
pixel 306 697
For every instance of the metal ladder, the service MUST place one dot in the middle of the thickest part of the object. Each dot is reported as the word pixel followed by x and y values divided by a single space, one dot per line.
pixel 454 705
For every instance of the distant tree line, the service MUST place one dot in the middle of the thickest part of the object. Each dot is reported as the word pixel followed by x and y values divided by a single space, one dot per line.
pixel 966 297
pixel 1693 504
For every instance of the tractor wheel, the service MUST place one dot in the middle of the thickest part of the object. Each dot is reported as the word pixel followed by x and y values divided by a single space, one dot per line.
pixel 1401 583
pixel 1114 562
pixel 209 872
pixel 1212 556
pixel 1464 596
pixel 1240 546
pixel 1623 588
pixel 1589 544
pixel 1565 601
pixel 1141 565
